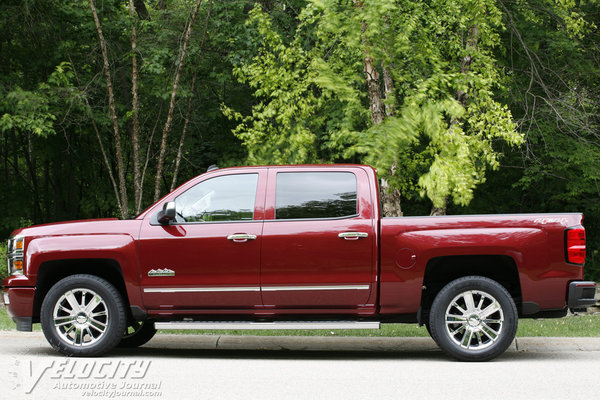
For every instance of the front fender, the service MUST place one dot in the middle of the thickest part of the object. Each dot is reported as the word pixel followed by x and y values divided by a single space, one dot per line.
pixel 120 248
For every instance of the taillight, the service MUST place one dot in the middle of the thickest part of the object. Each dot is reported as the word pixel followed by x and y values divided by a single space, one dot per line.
pixel 576 245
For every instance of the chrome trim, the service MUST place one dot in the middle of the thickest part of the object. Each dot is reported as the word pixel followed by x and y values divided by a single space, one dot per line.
pixel 352 235
pixel 274 325
pixel 253 289
pixel 334 287
pixel 474 320
pixel 161 272
pixel 80 317
pixel 13 254
pixel 241 236
pixel 5 298
pixel 202 289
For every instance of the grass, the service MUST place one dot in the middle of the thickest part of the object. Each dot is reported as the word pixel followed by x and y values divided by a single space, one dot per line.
pixel 583 325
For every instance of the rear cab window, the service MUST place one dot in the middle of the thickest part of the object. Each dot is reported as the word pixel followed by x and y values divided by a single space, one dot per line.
pixel 319 192
pixel 315 195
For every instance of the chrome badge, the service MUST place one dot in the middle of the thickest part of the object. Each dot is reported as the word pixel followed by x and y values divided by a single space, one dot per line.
pixel 161 272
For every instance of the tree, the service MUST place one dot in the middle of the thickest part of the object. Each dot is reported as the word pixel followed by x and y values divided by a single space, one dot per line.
pixel 320 97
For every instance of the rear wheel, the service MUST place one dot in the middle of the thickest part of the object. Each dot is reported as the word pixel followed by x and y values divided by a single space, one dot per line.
pixel 138 333
pixel 473 319
pixel 83 315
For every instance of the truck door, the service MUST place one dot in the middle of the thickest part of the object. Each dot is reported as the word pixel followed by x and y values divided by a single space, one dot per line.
pixel 209 257
pixel 318 239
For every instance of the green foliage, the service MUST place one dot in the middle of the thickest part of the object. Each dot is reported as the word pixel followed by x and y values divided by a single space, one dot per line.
pixel 3 260
pixel 312 106
pixel 551 53
pixel 51 69
pixel 279 129
pixel 284 82
pixel 27 111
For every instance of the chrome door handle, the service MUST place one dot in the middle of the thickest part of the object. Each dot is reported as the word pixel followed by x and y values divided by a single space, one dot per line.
pixel 353 235
pixel 241 237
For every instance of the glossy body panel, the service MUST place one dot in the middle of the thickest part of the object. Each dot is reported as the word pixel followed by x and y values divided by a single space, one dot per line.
pixel 535 242
pixel 202 258
pixel 107 239
pixel 20 301
pixel 210 270
pixel 297 267
pixel 298 254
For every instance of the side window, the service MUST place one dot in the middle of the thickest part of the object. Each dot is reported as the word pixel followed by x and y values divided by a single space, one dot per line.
pixel 315 195
pixel 223 198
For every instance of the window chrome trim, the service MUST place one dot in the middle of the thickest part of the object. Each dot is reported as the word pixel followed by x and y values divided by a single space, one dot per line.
pixel 253 289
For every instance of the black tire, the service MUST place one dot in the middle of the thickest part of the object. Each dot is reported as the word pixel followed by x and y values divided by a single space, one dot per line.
pixel 83 331
pixel 473 319
pixel 137 333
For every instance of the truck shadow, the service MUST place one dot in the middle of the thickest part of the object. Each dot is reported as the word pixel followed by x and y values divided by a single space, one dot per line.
pixel 342 355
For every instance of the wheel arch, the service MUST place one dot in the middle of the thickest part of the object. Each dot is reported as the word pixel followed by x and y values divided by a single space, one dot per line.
pixel 440 271
pixel 50 272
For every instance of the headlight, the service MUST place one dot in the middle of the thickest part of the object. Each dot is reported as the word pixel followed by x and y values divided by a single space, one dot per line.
pixel 15 252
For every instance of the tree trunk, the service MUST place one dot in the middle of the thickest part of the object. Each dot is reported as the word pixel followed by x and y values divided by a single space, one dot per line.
pixel 102 151
pixel 439 211
pixel 388 88
pixel 189 106
pixel 140 8
pixel 113 116
pixel 461 96
pixel 135 106
pixel 175 88
pixel 465 64
pixel 32 169
pixel 374 90
pixel 390 198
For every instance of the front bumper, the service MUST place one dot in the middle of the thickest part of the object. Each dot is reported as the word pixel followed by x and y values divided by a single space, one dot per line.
pixel 581 294
pixel 19 304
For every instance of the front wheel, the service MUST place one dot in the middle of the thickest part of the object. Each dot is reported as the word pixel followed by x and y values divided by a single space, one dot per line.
pixel 473 319
pixel 83 315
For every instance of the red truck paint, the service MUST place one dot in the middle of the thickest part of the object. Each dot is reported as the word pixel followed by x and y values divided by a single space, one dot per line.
pixel 297 267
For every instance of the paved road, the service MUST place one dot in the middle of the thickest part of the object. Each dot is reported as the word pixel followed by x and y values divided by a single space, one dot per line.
pixel 181 367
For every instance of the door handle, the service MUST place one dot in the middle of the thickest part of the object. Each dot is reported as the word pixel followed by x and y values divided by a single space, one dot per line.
pixel 241 237
pixel 353 235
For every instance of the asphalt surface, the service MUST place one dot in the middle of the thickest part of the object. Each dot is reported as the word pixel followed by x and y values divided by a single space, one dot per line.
pixel 258 367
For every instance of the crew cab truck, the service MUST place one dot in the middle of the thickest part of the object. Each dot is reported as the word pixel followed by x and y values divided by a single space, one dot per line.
pixel 280 247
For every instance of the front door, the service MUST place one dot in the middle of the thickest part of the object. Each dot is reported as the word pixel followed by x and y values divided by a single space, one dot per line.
pixel 209 258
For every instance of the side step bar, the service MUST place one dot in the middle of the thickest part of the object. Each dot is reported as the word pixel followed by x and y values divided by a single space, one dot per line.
pixel 274 325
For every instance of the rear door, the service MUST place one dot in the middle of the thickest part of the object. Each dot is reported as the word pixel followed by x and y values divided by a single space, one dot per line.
pixel 318 239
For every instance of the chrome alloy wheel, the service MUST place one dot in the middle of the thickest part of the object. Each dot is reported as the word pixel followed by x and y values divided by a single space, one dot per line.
pixel 80 317
pixel 474 320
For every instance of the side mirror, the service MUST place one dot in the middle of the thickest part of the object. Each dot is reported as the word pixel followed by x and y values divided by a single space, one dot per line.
pixel 167 214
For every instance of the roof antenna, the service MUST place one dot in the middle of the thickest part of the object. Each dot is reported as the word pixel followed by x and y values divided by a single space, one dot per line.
pixel 212 168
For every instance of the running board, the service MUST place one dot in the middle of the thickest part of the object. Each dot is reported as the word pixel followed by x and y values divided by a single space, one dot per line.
pixel 275 325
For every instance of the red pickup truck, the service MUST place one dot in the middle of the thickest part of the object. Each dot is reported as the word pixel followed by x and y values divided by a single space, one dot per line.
pixel 299 247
